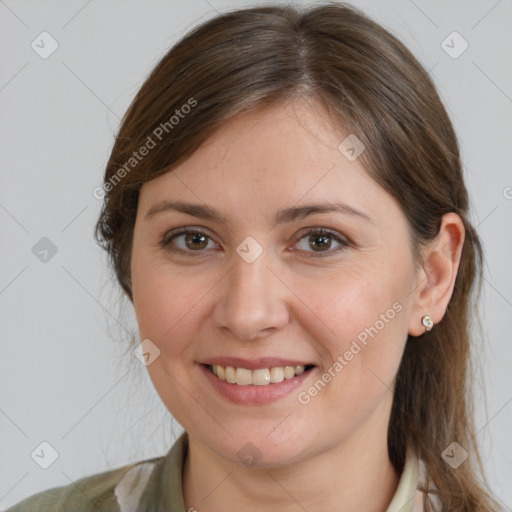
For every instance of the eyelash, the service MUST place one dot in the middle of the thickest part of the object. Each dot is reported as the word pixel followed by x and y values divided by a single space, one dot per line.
pixel 166 240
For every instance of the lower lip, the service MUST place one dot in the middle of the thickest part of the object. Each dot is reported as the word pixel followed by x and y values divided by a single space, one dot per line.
pixel 252 394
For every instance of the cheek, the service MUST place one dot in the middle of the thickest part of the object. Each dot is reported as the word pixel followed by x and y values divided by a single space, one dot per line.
pixel 361 355
pixel 164 306
pixel 350 303
pixel 163 302
pixel 360 325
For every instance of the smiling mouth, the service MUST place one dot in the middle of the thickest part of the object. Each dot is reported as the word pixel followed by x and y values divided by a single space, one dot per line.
pixel 258 377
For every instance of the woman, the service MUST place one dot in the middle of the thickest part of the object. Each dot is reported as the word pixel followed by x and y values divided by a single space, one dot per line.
pixel 284 205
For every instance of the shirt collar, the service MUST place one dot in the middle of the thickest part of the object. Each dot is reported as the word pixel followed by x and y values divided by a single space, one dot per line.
pixel 164 488
pixel 403 499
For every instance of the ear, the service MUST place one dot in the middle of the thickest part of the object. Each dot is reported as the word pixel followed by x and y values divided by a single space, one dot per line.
pixel 436 276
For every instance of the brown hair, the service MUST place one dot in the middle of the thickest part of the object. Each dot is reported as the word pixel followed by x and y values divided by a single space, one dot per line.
pixel 367 79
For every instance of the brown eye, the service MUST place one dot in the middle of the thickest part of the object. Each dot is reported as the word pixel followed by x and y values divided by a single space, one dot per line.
pixel 195 241
pixel 321 240
pixel 186 241
pixel 317 242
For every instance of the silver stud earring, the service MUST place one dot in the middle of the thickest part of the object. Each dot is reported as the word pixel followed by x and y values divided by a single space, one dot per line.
pixel 427 322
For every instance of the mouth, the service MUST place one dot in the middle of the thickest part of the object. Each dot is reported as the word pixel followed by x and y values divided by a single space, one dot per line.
pixel 259 376
pixel 250 382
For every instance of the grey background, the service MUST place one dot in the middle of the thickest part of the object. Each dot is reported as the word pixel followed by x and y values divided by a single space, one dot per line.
pixel 64 325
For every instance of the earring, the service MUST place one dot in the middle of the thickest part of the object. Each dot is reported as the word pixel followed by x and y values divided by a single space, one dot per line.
pixel 427 322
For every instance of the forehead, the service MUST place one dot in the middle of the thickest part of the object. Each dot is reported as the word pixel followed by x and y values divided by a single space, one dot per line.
pixel 296 131
pixel 282 155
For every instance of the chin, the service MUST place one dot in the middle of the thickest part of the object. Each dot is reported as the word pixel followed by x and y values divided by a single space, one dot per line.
pixel 263 450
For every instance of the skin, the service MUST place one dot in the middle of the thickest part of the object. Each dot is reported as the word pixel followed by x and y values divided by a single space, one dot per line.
pixel 330 454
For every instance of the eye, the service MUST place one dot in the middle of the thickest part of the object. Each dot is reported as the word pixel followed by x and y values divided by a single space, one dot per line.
pixel 195 240
pixel 321 239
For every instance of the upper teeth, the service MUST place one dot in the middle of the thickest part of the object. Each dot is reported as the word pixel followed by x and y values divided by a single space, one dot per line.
pixel 259 377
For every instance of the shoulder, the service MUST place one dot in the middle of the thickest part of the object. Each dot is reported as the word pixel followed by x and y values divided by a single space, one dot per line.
pixel 91 493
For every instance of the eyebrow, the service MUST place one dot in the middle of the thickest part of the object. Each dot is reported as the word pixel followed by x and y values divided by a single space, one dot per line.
pixel 285 215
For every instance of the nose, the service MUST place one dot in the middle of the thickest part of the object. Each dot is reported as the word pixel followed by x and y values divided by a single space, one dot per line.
pixel 253 300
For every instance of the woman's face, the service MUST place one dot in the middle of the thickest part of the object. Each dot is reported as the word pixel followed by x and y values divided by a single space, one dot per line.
pixel 252 293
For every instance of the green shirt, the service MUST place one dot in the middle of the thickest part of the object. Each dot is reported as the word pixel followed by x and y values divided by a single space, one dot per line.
pixel 154 485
